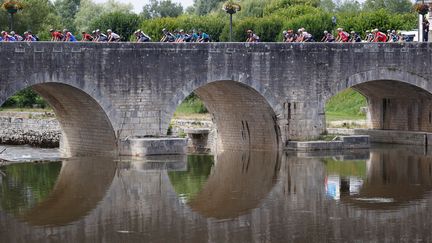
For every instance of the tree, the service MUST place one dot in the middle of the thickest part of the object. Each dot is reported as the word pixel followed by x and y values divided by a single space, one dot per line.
pixel 328 5
pixel 89 11
pixel 67 10
pixel 121 23
pixel 163 8
pixel 203 7
pixel 37 16
pixel 395 6
pixel 348 6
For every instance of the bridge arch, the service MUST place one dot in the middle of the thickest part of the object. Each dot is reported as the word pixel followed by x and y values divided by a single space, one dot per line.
pixel 381 74
pixel 397 100
pixel 246 114
pixel 86 128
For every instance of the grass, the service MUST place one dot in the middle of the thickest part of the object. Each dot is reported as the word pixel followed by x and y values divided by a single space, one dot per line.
pixel 192 108
pixel 346 106
pixel 340 116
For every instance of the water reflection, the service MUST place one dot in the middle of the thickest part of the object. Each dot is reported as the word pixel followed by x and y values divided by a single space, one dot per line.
pixel 62 195
pixel 237 183
pixel 389 179
pixel 232 197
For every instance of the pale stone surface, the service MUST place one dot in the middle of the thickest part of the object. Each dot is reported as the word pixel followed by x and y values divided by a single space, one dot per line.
pixel 339 143
pixel 155 146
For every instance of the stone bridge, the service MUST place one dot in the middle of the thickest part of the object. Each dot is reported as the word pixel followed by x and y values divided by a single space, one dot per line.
pixel 260 96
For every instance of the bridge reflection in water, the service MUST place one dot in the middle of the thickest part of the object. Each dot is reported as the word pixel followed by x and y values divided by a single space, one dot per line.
pixel 231 197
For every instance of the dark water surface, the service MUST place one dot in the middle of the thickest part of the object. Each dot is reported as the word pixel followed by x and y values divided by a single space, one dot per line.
pixel 381 195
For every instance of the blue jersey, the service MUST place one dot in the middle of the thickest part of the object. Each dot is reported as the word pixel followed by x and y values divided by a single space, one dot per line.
pixel 71 37
pixel 194 37
pixel 205 36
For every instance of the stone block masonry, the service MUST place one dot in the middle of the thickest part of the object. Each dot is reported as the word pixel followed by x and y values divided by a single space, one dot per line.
pixel 261 96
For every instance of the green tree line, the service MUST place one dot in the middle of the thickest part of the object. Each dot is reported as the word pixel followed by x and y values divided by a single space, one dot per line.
pixel 268 18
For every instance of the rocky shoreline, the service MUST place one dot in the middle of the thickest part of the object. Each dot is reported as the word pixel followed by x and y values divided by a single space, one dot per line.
pixel 44 133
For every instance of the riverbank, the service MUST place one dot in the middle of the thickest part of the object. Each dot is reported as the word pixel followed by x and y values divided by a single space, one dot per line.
pixel 41 129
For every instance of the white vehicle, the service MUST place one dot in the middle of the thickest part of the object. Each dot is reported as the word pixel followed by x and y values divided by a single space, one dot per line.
pixel 411 35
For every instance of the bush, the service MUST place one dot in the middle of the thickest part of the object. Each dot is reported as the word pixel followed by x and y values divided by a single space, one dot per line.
pixel 124 24
pixel 26 98
pixel 381 19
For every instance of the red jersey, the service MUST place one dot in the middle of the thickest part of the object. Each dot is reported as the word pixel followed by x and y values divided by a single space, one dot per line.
pixel 380 37
pixel 343 36
pixel 87 37
pixel 57 35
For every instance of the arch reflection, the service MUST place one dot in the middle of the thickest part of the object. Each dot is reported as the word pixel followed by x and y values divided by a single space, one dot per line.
pixel 80 185
pixel 391 178
pixel 237 183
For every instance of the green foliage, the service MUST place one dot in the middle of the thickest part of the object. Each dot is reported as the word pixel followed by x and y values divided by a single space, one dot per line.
pixel 394 6
pixel 203 7
pixel 348 168
pixel 315 24
pixel 188 184
pixel 89 11
pixel 192 105
pixel 121 23
pixel 37 16
pixel 252 8
pixel 26 184
pixel 381 19
pixel 275 5
pixel 164 8
pixel 350 7
pixel 347 102
pixel 67 10
pixel 25 99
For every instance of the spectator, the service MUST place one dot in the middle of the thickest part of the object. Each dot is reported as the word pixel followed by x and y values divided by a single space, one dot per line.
pixel 29 37
pixel 425 30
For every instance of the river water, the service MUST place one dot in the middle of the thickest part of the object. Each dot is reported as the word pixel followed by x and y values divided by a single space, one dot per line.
pixel 379 195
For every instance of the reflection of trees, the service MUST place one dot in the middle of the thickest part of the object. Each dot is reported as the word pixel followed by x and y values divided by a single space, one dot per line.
pixel 26 185
pixel 346 168
pixel 188 183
